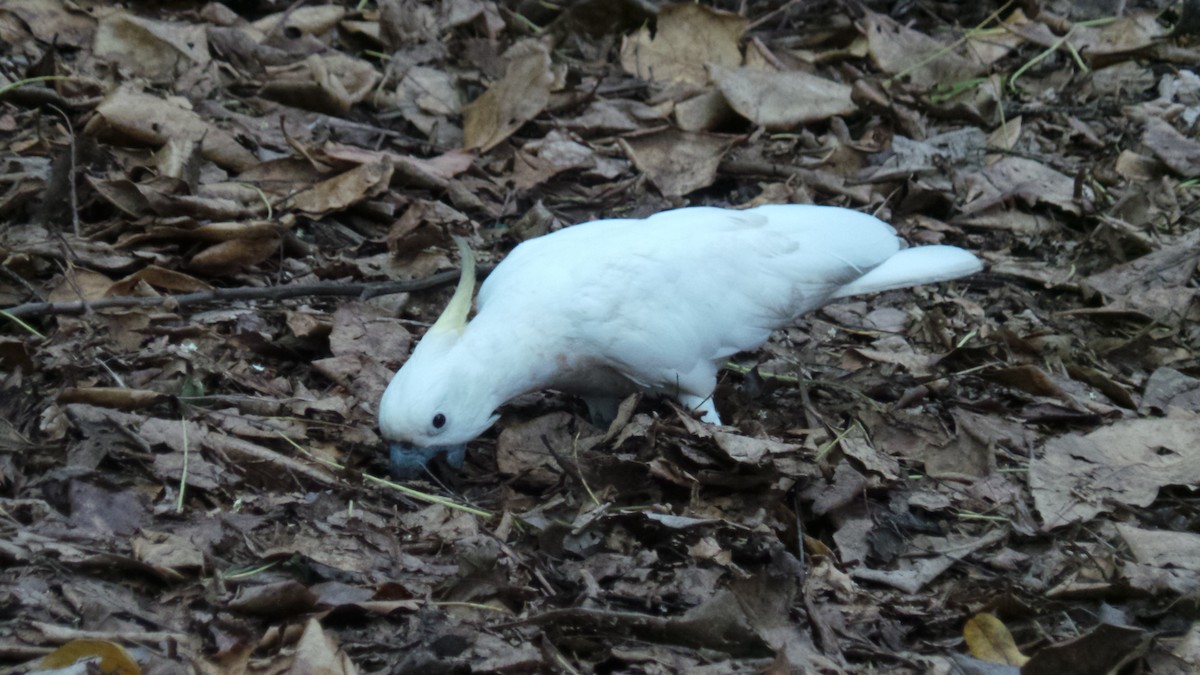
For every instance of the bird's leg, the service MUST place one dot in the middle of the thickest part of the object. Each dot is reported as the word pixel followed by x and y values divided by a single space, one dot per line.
pixel 602 410
pixel 704 405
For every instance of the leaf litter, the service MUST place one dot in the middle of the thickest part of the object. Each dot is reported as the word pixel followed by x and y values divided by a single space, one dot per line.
pixel 974 477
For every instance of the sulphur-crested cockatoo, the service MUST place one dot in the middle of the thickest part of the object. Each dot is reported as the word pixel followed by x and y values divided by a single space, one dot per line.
pixel 658 304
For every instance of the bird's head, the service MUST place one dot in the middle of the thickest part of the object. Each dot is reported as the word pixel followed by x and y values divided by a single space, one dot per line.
pixel 434 404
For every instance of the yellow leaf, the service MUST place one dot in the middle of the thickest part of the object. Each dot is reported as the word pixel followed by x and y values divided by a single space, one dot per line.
pixel 989 640
pixel 112 657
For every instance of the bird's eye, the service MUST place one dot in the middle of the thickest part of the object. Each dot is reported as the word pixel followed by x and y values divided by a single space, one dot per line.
pixel 439 421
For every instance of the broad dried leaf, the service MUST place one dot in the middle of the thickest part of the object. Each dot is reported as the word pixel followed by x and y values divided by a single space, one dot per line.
pixel 539 161
pixel 1122 36
pixel 677 162
pixel 1167 562
pixel 902 51
pixel 1081 475
pixel 989 639
pixel 235 255
pixel 517 98
pixel 318 654
pixel 782 100
pixel 346 189
pixel 1105 649
pixel 314 20
pixel 328 83
pixel 149 48
pixel 112 397
pixel 170 553
pixel 1177 151
pixel 129 116
pixel 109 657
pixel 688 37
pixel 1031 181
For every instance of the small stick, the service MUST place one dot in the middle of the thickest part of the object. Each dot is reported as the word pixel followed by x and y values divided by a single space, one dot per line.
pixel 364 291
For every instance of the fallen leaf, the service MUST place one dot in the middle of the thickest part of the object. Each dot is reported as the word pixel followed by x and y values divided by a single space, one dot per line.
pixel 782 100
pixel 517 98
pixel 1081 475
pixel 677 162
pixel 1177 151
pixel 108 657
pixel 989 639
pixel 918 58
pixel 149 48
pixel 143 118
pixel 688 36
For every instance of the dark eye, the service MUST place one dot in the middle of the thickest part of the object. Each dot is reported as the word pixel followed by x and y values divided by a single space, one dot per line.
pixel 439 421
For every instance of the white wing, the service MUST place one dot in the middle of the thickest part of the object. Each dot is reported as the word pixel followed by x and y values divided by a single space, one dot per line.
pixel 655 299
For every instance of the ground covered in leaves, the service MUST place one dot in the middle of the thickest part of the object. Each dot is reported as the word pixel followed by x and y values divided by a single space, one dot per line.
pixel 225 225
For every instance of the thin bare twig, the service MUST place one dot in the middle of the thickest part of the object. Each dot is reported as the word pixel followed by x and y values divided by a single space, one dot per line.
pixel 362 291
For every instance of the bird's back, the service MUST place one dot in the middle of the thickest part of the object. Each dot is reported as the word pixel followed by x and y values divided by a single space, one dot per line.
pixel 653 296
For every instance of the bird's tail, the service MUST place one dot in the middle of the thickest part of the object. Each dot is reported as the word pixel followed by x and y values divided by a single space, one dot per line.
pixel 914 266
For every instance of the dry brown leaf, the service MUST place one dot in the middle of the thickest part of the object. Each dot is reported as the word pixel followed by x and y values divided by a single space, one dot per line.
pixel 141 118
pixel 1026 179
pixel 904 52
pixel 1177 151
pixel 346 189
pixel 1120 37
pixel 677 162
pixel 1105 649
pixel 327 83
pixel 424 224
pixel 166 552
pixel 151 49
pixel 1157 285
pixel 1169 388
pixel 1081 475
pixel 426 96
pixel 704 112
pixel 782 100
pixel 315 20
pixel 1167 562
pixel 363 343
pixel 938 554
pixel 541 160
pixel 108 657
pixel 318 654
pixel 80 284
pixel 55 21
pixel 527 450
pixel 235 255
pixel 687 38
pixel 119 398
pixel 517 98
pixel 167 280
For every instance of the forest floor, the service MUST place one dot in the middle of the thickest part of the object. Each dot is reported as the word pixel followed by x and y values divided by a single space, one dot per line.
pixel 225 226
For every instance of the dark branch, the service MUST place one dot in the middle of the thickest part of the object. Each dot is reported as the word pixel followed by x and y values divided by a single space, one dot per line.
pixel 362 291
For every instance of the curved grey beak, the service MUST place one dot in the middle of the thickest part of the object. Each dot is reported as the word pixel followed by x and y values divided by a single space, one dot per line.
pixel 409 461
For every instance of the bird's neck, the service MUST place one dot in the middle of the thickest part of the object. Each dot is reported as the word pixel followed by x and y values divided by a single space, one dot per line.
pixel 509 358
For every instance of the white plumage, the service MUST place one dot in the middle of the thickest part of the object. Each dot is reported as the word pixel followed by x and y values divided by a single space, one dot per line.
pixel 659 304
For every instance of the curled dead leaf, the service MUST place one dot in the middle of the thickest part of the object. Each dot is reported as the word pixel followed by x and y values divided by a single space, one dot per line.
pixel 119 398
pixel 235 255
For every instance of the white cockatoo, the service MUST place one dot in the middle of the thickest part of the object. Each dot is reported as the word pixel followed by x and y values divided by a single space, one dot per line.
pixel 657 304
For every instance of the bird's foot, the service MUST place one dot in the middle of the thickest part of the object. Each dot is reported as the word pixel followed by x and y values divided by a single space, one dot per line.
pixel 702 405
